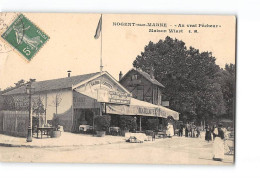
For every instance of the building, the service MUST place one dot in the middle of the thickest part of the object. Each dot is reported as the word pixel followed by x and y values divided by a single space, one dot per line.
pixel 142 85
pixel 78 99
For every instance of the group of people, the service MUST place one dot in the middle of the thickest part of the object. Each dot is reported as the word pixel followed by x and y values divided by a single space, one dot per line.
pixel 191 130
pixel 218 133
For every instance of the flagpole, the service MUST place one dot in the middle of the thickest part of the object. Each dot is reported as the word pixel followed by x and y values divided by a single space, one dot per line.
pixel 97 34
pixel 101 65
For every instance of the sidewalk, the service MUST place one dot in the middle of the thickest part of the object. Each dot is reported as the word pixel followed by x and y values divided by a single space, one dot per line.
pixel 66 140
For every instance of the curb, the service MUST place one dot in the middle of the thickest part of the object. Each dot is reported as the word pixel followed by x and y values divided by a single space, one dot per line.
pixel 53 146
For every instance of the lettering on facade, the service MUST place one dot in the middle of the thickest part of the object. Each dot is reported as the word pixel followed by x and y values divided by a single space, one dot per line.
pixel 152 111
pixel 105 83
pixel 119 97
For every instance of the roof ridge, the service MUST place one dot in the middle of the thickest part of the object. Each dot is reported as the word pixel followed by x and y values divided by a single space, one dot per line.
pixel 147 75
pixel 65 77
pixel 54 84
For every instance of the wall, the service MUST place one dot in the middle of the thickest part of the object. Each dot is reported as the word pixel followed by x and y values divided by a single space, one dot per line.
pixel 64 109
pixel 48 100
pixel 81 101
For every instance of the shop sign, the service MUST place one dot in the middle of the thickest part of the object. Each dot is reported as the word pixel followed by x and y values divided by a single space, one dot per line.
pixel 140 110
pixel 135 110
pixel 104 92
pixel 119 97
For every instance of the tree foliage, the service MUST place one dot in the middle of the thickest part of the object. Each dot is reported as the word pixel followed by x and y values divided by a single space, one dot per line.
pixel 102 123
pixel 37 106
pixel 18 84
pixel 195 86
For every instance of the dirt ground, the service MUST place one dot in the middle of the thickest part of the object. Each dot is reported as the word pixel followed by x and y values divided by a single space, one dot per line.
pixel 176 150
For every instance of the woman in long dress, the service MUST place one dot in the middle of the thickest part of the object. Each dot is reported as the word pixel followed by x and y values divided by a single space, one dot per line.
pixel 218 145
pixel 208 134
pixel 170 130
pixel 186 130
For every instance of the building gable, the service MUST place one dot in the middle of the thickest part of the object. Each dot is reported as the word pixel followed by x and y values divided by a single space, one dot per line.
pixel 104 88
pixel 143 74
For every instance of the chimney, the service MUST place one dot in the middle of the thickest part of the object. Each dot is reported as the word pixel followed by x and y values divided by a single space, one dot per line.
pixel 152 72
pixel 69 73
pixel 120 75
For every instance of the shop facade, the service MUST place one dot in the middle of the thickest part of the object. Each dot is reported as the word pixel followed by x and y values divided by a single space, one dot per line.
pixel 76 100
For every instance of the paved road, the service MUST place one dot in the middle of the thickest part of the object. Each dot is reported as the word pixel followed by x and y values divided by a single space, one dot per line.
pixel 162 151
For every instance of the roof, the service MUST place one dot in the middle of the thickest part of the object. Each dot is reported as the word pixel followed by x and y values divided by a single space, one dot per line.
pixel 146 76
pixel 55 84
pixel 103 73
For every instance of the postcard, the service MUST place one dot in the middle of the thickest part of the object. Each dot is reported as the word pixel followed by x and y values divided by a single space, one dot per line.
pixel 117 88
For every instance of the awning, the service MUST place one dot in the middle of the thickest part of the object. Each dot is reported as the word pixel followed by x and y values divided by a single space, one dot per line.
pixel 132 107
pixel 141 108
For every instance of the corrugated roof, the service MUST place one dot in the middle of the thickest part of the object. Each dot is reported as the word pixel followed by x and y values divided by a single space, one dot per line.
pixel 146 76
pixel 55 84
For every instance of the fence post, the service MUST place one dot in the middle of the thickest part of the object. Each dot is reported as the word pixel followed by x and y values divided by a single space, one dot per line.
pixel 3 121
pixel 15 125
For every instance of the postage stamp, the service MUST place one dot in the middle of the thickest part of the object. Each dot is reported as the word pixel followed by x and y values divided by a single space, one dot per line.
pixel 25 37
pixel 5 20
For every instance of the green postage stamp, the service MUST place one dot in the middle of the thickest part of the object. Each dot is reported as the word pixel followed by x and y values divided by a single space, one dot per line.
pixel 25 37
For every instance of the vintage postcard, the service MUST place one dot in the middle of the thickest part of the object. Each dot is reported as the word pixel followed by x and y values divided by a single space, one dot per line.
pixel 117 88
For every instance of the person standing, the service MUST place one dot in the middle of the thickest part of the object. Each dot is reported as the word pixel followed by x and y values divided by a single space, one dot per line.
pixel 193 129
pixel 218 145
pixel 214 127
pixel 180 130
pixel 208 134
pixel 170 130
pixel 186 130
pixel 189 129
pixel 198 132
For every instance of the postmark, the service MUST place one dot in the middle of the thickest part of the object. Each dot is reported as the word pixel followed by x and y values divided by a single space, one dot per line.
pixel 25 37
pixel 5 20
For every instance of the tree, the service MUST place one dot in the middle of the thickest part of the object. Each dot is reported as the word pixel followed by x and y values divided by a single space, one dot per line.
pixel 57 100
pixel 38 107
pixel 230 92
pixel 19 83
pixel 188 76
pixel 227 79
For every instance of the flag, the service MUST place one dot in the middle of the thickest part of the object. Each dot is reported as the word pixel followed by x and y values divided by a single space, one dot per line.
pixel 99 28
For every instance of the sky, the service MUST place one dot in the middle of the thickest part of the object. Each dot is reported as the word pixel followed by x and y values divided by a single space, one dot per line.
pixel 72 45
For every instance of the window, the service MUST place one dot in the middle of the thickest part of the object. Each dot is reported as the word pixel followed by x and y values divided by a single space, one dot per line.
pixel 134 77
pixel 140 92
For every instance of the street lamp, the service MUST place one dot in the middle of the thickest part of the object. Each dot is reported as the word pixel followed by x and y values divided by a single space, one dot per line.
pixel 29 91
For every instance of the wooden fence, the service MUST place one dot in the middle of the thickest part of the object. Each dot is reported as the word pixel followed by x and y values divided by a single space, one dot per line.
pixel 14 123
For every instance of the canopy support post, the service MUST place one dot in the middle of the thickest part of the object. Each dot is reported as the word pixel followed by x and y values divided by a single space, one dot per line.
pixel 140 123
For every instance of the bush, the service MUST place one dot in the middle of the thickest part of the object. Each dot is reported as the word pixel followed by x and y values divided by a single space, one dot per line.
pixel 56 122
pixel 102 123
pixel 152 124
pixel 127 123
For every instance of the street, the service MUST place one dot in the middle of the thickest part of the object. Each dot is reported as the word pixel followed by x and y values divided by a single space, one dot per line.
pixel 176 150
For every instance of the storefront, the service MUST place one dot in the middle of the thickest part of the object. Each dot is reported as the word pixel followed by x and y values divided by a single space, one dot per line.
pixel 104 95
pixel 77 100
